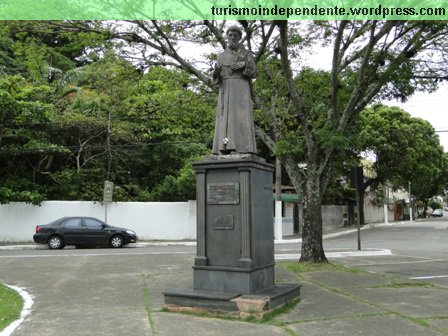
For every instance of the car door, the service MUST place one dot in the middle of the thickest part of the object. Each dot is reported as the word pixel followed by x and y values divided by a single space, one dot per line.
pixel 95 231
pixel 73 230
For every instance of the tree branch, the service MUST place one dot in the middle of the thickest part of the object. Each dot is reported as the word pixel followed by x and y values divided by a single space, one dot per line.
pixel 265 40
pixel 335 71
pixel 217 33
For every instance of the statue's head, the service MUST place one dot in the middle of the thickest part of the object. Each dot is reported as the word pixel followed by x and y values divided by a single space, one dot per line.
pixel 234 35
pixel 235 29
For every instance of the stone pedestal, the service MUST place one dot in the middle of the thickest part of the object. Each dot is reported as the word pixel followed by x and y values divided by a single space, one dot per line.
pixel 235 235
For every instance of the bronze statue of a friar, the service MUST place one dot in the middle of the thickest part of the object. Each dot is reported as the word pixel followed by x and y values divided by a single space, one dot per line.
pixel 233 72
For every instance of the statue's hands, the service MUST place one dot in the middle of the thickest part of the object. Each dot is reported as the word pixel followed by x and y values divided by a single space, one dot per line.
pixel 238 65
pixel 217 70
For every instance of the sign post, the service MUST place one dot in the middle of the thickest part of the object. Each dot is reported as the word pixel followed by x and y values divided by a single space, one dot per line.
pixel 107 196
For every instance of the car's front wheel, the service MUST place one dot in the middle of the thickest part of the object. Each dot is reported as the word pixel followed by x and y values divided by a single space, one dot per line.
pixel 116 241
pixel 55 242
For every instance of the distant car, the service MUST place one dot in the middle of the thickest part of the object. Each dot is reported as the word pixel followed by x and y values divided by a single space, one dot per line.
pixel 82 232
pixel 437 213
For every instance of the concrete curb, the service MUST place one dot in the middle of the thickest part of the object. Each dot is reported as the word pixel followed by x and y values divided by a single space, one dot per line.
pixel 341 254
pixel 26 310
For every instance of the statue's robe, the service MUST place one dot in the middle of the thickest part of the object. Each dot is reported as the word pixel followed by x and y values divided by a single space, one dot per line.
pixel 234 129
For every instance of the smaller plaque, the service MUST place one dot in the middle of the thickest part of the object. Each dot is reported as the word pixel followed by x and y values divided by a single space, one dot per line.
pixel 223 222
pixel 223 193
pixel 108 191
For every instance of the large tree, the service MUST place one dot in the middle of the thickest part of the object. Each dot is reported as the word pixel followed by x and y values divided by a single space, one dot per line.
pixel 404 149
pixel 369 60
pixel 67 125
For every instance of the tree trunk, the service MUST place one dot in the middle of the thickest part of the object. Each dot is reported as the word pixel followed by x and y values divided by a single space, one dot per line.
pixel 312 241
pixel 311 197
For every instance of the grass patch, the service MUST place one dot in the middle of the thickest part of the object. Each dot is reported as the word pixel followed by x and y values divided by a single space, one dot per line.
pixel 270 317
pixel 419 321
pixel 11 304
pixel 147 303
pixel 396 282
pixel 297 267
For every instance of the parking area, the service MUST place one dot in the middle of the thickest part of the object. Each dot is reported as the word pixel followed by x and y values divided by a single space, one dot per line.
pixel 119 291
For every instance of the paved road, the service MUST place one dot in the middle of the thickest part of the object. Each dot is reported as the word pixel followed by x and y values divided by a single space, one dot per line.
pixel 420 250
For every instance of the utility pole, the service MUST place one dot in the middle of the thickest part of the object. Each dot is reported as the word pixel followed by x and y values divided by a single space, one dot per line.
pixel 278 226
pixel 358 226
pixel 410 203
pixel 107 183
pixel 386 211
pixel 357 182
pixel 109 150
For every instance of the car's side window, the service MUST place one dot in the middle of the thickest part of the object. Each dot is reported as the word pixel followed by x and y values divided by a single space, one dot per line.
pixel 73 223
pixel 93 223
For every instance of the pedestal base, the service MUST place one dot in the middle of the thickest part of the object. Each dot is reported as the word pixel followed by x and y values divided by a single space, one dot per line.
pixel 233 270
pixel 233 280
pixel 183 299
pixel 235 237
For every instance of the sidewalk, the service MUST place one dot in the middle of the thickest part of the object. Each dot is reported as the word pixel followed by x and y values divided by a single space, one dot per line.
pixel 335 303
pixel 361 303
pixel 108 295
pixel 92 298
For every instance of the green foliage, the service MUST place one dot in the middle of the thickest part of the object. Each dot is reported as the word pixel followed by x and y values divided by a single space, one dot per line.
pixel 54 135
pixel 330 138
pixel 9 65
pixel 82 185
pixel 9 195
pixel 22 102
pixel 172 110
pixel 406 149
pixel 60 82
pixel 300 268
pixel 179 187
pixel 435 204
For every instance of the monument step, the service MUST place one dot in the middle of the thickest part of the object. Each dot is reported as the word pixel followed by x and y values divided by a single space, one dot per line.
pixel 257 304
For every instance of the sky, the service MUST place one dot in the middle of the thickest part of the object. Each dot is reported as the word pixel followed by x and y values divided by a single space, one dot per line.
pixel 429 106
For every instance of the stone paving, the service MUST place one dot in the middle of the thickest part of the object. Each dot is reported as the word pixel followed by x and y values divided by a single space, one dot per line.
pixel 99 295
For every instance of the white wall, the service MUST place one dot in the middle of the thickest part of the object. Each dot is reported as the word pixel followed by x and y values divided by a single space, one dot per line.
pixel 375 214
pixel 333 216
pixel 151 221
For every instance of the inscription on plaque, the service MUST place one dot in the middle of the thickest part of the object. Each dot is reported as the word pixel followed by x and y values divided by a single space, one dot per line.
pixel 223 222
pixel 223 193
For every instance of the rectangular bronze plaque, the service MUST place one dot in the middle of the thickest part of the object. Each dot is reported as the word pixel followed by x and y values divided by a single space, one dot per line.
pixel 223 193
pixel 223 222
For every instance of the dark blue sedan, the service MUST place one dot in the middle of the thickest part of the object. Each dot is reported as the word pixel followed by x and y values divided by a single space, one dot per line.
pixel 82 232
